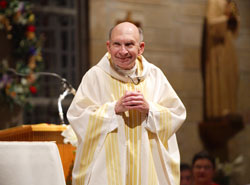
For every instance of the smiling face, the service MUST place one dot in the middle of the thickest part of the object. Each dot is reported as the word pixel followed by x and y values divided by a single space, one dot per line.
pixel 124 45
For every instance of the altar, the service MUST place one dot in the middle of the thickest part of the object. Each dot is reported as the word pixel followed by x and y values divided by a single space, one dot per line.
pixel 40 134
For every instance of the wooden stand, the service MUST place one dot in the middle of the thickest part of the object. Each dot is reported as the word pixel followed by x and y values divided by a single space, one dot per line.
pixel 44 132
pixel 216 133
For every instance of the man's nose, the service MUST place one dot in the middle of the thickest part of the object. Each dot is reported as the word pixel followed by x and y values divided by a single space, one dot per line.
pixel 123 50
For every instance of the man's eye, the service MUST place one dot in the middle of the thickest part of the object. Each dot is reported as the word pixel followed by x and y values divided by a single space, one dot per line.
pixel 129 44
pixel 116 44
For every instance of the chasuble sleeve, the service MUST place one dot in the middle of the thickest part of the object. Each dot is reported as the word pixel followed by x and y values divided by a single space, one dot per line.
pixel 87 109
pixel 91 119
pixel 167 112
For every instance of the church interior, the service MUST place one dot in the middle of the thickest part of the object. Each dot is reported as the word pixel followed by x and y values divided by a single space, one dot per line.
pixel 174 32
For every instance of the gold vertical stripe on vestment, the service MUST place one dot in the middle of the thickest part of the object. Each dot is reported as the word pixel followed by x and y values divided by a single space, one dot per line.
pixel 164 125
pixel 135 146
pixel 112 147
pixel 152 176
pixel 128 136
pixel 165 131
pixel 116 156
pixel 139 66
pixel 108 159
pixel 131 143
pixel 139 120
pixel 84 161
pixel 112 159
pixel 165 128
pixel 175 171
pixel 91 140
pixel 130 150
pixel 133 133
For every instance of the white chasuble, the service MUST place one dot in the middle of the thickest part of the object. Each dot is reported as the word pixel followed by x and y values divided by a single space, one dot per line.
pixel 130 148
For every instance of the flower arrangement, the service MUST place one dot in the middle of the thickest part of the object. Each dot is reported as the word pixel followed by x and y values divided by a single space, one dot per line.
pixel 17 24
pixel 229 168
pixel 226 171
pixel 69 136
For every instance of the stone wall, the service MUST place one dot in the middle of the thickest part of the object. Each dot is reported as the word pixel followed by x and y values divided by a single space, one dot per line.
pixel 172 32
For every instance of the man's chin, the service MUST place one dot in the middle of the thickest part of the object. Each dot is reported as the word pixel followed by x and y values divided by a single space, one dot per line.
pixel 126 64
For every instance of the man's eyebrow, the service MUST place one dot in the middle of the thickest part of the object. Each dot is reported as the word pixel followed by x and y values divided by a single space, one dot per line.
pixel 115 42
pixel 126 42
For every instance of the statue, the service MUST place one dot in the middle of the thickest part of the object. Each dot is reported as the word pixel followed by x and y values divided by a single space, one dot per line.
pixel 220 77
pixel 219 61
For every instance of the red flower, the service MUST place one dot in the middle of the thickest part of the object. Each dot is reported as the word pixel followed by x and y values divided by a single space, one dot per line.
pixel 31 28
pixel 33 89
pixel 3 4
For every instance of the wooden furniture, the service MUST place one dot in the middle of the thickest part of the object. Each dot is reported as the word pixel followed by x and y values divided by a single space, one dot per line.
pixel 44 132
pixel 215 134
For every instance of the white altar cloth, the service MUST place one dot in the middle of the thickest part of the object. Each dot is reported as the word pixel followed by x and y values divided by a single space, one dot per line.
pixel 30 163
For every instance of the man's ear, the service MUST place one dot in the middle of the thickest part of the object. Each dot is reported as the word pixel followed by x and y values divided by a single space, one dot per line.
pixel 108 45
pixel 141 48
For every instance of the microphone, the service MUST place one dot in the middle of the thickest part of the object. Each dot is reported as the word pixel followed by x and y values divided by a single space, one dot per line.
pixel 137 81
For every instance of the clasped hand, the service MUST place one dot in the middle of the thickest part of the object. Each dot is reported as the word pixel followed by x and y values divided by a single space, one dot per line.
pixel 132 101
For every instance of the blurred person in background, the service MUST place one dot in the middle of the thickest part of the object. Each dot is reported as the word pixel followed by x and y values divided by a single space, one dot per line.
pixel 203 168
pixel 186 174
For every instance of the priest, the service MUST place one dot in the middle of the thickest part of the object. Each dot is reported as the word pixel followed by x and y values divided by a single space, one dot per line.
pixel 125 115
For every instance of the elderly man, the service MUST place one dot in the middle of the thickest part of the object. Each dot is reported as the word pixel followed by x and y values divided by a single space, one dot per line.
pixel 125 114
